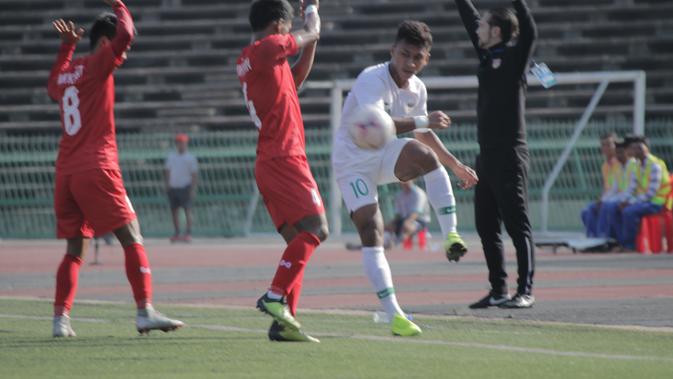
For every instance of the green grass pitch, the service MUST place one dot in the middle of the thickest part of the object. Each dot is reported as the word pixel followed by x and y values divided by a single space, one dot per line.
pixel 232 343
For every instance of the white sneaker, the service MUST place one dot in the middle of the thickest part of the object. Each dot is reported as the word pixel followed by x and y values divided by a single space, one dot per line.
pixel 62 328
pixel 149 319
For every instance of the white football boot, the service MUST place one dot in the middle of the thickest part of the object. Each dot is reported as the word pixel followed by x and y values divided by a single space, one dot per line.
pixel 62 328
pixel 149 319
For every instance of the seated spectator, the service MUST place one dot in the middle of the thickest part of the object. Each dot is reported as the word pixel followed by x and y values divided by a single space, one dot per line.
pixel 610 169
pixel 647 192
pixel 609 215
pixel 412 214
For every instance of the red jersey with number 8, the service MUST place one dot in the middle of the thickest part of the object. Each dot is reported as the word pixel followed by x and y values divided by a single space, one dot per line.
pixel 271 96
pixel 84 89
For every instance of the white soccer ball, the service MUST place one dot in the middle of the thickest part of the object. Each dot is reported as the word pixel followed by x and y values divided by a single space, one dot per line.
pixel 371 127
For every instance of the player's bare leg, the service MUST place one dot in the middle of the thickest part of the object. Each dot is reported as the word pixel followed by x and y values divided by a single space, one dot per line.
pixel 187 237
pixel 176 224
pixel 140 277
pixel 417 159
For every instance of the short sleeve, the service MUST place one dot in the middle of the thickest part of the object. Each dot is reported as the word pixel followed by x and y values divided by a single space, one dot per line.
pixel 104 61
pixel 421 108
pixel 423 103
pixel 369 89
pixel 277 47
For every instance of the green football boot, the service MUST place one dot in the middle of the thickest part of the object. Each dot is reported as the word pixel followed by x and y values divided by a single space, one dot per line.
pixel 279 333
pixel 279 311
pixel 404 328
pixel 455 247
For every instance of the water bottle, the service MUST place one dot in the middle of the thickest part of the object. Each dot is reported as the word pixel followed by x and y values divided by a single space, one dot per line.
pixel 543 74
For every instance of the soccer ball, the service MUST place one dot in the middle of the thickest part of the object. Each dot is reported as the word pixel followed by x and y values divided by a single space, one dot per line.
pixel 371 127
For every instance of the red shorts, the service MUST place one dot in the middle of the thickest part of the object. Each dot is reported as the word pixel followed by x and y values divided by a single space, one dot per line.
pixel 289 191
pixel 89 203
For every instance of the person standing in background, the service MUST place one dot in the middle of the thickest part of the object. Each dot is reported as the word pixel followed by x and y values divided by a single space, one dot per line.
pixel 181 175
pixel 412 214
pixel 503 39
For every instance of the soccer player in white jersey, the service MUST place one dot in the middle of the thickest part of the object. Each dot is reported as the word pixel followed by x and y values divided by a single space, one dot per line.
pixel 394 87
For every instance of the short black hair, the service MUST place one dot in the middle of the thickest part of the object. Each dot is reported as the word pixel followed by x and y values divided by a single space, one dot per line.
pixel 264 12
pixel 635 138
pixel 416 33
pixel 608 135
pixel 105 25
pixel 506 20
pixel 621 144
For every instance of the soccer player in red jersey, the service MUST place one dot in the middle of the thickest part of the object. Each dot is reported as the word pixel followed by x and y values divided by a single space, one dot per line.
pixel 89 194
pixel 281 169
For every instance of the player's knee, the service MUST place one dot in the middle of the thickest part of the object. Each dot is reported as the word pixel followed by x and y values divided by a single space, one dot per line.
pixel 418 159
pixel 129 234
pixel 323 232
pixel 428 160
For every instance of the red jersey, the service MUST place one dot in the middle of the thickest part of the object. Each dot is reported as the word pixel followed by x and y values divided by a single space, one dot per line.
pixel 84 89
pixel 271 96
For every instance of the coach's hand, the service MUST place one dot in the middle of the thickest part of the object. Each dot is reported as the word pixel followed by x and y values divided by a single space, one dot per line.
pixel 468 178
pixel 438 120
pixel 69 33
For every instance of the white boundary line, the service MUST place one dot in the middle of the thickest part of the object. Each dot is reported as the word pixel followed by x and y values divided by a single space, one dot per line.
pixel 401 340
pixel 354 312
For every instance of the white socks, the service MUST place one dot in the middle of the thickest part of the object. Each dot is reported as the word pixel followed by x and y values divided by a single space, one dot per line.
pixel 440 195
pixel 378 272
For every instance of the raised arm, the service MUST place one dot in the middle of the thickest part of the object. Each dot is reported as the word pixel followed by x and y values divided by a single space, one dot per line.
pixel 307 39
pixel 70 35
pixel 470 17
pixel 125 29
pixel 527 33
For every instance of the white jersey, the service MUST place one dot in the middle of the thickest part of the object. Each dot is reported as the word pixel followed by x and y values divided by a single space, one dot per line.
pixel 376 87
pixel 358 171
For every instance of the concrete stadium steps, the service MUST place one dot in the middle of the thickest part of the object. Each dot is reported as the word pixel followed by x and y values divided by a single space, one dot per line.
pixel 180 72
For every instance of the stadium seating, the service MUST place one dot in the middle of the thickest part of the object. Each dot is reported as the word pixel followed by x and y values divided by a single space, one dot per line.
pixel 180 77
pixel 180 73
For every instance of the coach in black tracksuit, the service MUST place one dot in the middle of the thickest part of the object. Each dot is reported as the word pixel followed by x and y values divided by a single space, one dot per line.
pixel 502 164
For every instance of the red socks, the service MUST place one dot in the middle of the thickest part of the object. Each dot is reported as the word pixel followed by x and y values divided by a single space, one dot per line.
pixel 137 271
pixel 66 284
pixel 139 274
pixel 292 297
pixel 290 272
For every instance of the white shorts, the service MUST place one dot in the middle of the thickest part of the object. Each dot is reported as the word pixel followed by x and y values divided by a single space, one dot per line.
pixel 358 172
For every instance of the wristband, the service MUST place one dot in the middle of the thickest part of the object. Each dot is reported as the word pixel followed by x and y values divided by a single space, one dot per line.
pixel 311 9
pixel 421 123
